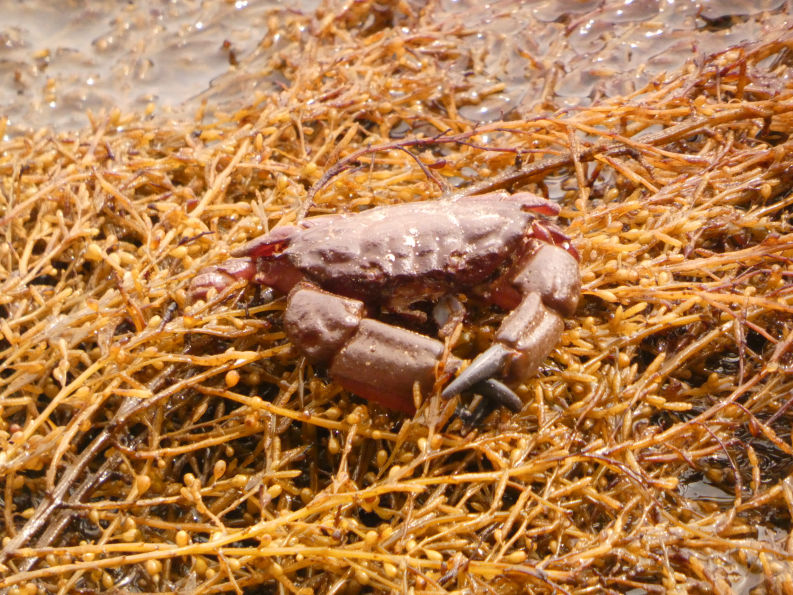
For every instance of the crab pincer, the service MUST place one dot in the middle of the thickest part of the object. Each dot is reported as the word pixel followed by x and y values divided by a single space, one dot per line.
pixel 549 281
pixel 375 360
pixel 342 272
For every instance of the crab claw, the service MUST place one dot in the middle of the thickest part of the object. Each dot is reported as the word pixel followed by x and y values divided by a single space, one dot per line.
pixel 526 336
pixel 487 364
pixel 374 360
pixel 549 282
pixel 500 393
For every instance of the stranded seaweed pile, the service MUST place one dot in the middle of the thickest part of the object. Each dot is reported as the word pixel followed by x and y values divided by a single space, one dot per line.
pixel 152 444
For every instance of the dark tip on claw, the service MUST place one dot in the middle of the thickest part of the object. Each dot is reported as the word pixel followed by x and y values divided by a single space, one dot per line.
pixel 486 365
pixel 500 393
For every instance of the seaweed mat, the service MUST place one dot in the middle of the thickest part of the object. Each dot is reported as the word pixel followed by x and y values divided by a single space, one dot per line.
pixel 151 444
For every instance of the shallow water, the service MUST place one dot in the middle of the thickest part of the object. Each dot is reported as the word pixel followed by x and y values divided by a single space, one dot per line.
pixel 58 60
pixel 587 49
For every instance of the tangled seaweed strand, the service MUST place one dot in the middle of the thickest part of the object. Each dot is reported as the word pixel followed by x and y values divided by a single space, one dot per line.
pixel 151 444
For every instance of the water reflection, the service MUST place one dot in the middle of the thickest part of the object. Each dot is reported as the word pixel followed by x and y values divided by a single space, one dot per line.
pixel 59 59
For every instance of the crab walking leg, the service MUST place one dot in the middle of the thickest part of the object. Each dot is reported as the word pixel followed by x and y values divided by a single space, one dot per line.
pixel 372 359
pixel 550 283
pixel 220 276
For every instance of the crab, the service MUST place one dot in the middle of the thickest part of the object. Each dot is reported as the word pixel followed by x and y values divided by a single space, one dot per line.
pixel 342 272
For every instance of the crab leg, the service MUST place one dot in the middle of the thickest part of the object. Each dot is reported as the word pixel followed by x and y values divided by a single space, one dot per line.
pixel 375 360
pixel 549 281
pixel 219 277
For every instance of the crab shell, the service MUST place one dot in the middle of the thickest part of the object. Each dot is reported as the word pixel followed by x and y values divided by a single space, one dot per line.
pixel 395 256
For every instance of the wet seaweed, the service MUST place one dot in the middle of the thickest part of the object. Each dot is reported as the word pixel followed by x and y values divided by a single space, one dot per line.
pixel 152 444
